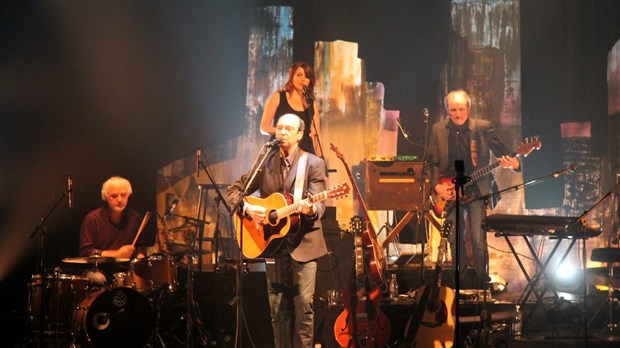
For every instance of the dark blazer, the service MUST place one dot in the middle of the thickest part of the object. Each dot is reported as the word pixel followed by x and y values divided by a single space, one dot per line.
pixel 487 140
pixel 306 245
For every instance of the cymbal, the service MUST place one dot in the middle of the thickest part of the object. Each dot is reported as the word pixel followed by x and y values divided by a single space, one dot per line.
pixel 94 259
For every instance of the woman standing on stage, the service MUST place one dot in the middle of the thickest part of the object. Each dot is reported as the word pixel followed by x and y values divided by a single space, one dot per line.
pixel 297 97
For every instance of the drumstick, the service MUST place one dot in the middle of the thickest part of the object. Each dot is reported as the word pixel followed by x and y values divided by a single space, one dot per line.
pixel 147 216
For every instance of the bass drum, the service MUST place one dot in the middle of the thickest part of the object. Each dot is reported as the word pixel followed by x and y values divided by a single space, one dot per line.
pixel 116 317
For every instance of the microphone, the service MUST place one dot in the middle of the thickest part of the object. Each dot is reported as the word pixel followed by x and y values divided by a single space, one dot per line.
pixel 567 170
pixel 306 93
pixel 274 142
pixel 70 190
pixel 171 208
pixel 198 158
pixel 426 113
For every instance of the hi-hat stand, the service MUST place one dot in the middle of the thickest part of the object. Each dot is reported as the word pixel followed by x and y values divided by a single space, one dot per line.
pixel 192 310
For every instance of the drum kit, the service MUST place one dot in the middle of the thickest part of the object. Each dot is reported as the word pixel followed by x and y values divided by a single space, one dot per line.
pixel 122 309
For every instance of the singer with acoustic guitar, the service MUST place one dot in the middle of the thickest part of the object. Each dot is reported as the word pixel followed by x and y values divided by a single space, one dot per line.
pixel 460 137
pixel 296 97
pixel 293 174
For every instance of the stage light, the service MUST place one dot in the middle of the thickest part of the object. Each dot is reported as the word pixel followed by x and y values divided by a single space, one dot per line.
pixel 498 283
pixel 565 271
pixel 567 277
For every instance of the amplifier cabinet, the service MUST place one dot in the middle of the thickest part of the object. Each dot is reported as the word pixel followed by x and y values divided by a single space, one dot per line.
pixel 393 185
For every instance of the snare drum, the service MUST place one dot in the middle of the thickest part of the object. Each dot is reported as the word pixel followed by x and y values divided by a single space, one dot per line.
pixel 156 271
pixel 121 279
pixel 115 317
pixel 61 293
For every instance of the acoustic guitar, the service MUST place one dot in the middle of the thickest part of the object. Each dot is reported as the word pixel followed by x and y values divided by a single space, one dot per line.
pixel 261 238
pixel 432 325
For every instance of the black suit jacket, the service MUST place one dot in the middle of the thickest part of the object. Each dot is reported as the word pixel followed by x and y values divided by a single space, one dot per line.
pixel 487 141
pixel 309 244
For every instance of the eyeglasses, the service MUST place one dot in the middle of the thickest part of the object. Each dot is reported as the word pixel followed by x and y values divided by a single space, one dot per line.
pixel 288 129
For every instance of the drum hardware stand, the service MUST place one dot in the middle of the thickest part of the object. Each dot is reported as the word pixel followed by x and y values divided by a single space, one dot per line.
pixel 191 307
pixel 192 314
pixel 159 342
pixel 579 223
pixel 218 199
pixel 41 264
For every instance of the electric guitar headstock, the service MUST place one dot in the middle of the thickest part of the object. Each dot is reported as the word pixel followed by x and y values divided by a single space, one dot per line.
pixel 529 145
pixel 337 152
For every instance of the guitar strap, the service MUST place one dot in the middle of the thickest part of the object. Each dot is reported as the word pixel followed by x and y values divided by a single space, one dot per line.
pixel 473 144
pixel 300 177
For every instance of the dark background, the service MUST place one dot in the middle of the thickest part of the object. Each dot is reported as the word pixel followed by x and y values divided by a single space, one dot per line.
pixel 95 89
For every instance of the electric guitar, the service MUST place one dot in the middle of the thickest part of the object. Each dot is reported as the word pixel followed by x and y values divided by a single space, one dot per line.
pixel 377 260
pixel 260 238
pixel 433 323
pixel 361 323
pixel 442 207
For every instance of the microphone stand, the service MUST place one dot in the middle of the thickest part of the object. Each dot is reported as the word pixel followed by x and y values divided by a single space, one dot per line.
pixel 423 177
pixel 40 269
pixel 572 225
pixel 258 163
pixel 459 183
pixel 310 112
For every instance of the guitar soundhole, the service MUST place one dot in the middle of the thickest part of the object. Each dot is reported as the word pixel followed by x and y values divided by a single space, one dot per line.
pixel 433 306
pixel 272 217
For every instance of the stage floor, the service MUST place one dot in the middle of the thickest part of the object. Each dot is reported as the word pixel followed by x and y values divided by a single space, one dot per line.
pixel 551 323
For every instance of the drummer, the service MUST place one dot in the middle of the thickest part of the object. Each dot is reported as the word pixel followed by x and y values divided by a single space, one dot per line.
pixel 109 231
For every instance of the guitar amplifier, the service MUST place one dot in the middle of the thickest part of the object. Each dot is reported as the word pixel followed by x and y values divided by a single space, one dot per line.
pixel 393 184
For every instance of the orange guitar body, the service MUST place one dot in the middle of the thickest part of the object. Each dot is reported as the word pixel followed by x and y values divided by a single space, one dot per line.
pixel 260 239
pixel 372 330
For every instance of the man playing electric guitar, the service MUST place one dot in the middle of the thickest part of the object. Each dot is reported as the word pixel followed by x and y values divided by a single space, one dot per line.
pixel 470 140
pixel 291 278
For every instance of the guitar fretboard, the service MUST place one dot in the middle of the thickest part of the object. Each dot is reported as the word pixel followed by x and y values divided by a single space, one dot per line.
pixel 293 208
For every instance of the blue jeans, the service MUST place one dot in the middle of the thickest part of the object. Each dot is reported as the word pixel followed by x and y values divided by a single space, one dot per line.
pixel 290 290
pixel 474 212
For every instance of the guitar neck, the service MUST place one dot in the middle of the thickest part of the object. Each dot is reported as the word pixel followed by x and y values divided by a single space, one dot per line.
pixel 358 196
pixel 478 174
pixel 359 263
pixel 294 208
